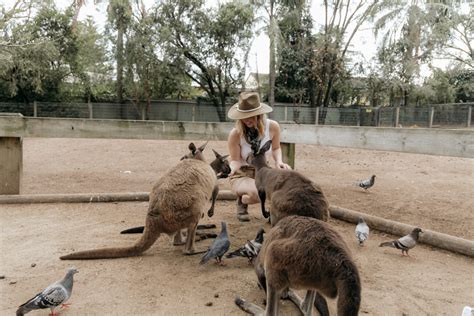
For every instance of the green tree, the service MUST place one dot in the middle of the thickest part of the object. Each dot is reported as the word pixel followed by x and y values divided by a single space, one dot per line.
pixel 119 16
pixel 293 83
pixel 207 44
pixel 45 53
pixel 411 32
pixel 148 73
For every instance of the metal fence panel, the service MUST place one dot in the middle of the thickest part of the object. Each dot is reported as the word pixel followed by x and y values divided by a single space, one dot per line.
pixel 447 115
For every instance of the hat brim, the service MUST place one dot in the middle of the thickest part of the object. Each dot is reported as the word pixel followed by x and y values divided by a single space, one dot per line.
pixel 235 114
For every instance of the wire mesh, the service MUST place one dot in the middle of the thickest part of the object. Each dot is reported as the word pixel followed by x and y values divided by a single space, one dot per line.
pixel 443 116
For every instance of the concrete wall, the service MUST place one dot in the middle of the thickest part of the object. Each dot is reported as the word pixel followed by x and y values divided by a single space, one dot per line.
pixel 445 142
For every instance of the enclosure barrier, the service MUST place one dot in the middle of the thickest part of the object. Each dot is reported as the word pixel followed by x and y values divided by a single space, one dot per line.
pixel 439 240
pixel 446 142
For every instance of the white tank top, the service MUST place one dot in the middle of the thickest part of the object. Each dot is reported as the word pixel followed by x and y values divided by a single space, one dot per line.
pixel 245 148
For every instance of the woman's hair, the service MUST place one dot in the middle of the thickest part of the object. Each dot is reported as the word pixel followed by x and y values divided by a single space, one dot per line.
pixel 241 127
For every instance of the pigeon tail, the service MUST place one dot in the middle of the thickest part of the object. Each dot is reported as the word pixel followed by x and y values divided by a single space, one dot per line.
pixel 148 238
pixel 388 244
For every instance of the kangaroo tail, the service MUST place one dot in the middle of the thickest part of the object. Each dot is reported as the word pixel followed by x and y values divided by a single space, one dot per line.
pixel 134 230
pixel 349 290
pixel 140 229
pixel 150 235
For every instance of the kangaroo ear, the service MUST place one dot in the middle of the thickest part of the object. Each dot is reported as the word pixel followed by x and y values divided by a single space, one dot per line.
pixel 192 147
pixel 267 145
pixel 216 154
pixel 201 148
pixel 224 157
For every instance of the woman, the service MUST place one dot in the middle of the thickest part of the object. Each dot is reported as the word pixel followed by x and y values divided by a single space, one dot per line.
pixel 251 131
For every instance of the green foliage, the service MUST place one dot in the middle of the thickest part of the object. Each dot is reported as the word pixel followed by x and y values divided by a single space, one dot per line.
pixel 208 45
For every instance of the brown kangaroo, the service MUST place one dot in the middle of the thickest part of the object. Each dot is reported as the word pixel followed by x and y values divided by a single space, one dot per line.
pixel 305 253
pixel 221 167
pixel 289 191
pixel 176 202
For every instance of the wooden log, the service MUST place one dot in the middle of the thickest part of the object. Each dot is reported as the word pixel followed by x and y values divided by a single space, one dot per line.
pixel 439 240
pixel 90 197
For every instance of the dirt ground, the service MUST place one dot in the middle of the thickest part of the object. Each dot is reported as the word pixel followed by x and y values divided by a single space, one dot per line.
pixel 432 192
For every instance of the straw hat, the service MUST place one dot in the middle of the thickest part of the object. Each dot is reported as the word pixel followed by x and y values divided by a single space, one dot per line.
pixel 249 105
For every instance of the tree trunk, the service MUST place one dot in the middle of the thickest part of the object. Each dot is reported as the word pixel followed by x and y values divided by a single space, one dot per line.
pixel 272 72
pixel 120 32
pixel 220 108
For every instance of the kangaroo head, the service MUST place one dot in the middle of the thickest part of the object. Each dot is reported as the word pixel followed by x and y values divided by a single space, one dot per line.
pixel 257 157
pixel 196 153
pixel 220 165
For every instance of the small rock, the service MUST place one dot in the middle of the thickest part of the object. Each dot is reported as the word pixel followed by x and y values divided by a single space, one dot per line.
pixel 2 277
pixel 13 282
pixel 208 304
pixel 33 265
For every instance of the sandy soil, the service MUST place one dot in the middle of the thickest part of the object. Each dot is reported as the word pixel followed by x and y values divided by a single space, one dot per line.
pixel 429 191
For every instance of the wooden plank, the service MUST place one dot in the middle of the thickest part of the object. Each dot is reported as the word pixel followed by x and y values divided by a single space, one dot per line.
pixel 11 157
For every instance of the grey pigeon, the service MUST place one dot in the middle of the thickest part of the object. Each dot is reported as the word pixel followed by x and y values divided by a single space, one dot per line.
pixel 219 247
pixel 51 297
pixel 251 248
pixel 366 184
pixel 404 243
pixel 362 231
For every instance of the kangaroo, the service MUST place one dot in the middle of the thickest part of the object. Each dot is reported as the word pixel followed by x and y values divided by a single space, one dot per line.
pixel 289 191
pixel 301 252
pixel 221 167
pixel 176 202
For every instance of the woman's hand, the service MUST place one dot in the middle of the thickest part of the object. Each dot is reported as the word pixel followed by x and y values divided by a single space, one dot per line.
pixel 234 166
pixel 282 165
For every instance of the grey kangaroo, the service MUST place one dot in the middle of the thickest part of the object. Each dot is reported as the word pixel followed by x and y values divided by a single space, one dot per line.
pixel 305 253
pixel 289 191
pixel 177 202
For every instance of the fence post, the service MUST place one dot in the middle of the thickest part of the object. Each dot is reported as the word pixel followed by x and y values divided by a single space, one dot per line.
pixel 194 112
pixel 11 156
pixel 378 116
pixel 359 114
pixel 35 109
pixel 430 117
pixel 397 116
pixel 143 113
pixel 469 115
pixel 288 153
pixel 89 105
pixel 316 119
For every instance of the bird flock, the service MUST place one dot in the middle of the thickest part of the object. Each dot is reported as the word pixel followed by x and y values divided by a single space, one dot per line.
pixel 55 296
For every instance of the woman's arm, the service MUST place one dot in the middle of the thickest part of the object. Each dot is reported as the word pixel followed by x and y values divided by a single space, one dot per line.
pixel 233 144
pixel 276 148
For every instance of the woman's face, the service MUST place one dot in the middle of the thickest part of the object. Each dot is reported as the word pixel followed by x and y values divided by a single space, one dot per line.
pixel 250 122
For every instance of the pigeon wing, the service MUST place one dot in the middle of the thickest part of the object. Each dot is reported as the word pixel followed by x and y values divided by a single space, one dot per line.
pixel 407 242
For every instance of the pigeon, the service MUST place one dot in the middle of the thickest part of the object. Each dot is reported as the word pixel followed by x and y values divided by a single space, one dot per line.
pixel 251 249
pixel 367 183
pixel 404 243
pixel 219 247
pixel 54 295
pixel 467 311
pixel 362 231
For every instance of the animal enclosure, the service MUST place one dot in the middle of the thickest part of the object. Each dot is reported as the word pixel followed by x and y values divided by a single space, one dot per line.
pixel 432 192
